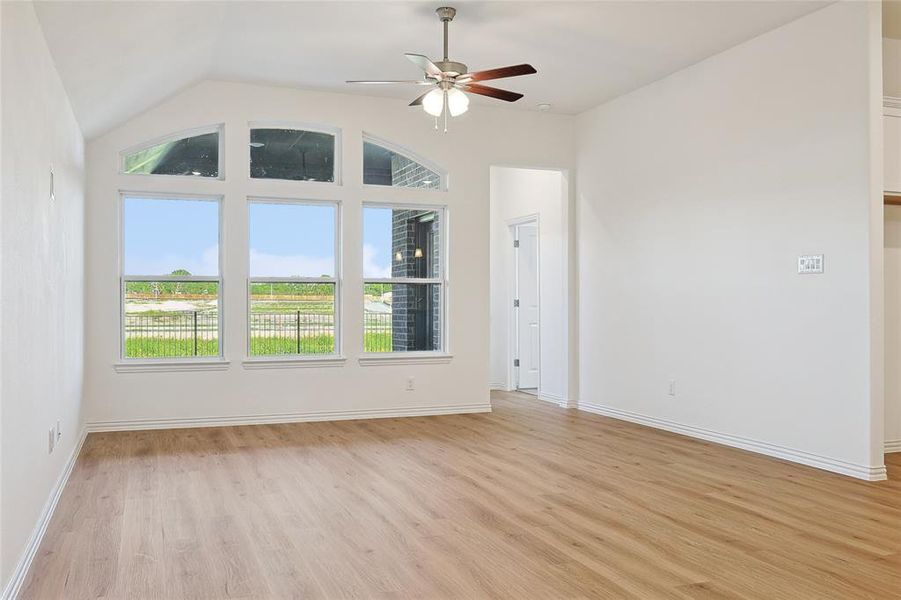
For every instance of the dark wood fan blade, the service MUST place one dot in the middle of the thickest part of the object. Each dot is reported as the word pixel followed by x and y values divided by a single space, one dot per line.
pixel 418 100
pixel 405 81
pixel 424 63
pixel 499 73
pixel 484 90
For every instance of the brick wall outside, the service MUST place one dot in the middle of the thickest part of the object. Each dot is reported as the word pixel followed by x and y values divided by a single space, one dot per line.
pixel 409 173
pixel 412 304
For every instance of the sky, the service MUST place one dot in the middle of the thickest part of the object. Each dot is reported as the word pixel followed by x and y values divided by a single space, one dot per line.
pixel 286 240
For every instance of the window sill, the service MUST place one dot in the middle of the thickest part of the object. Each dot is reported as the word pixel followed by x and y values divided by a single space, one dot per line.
pixel 405 358
pixel 154 366
pixel 294 362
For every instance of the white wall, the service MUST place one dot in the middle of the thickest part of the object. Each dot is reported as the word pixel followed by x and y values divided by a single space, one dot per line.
pixel 696 194
pixel 41 270
pixel 515 193
pixel 484 136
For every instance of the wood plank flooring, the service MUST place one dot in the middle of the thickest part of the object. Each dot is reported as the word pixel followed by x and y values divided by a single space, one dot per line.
pixel 530 501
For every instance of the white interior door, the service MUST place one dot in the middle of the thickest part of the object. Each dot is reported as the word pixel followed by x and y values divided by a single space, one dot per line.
pixel 527 351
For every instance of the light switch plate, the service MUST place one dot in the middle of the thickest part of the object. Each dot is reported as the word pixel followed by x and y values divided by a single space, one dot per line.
pixel 810 264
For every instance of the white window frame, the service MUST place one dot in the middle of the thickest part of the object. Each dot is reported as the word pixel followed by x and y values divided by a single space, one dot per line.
pixel 297 126
pixel 416 356
pixel 334 358
pixel 406 153
pixel 178 135
pixel 125 363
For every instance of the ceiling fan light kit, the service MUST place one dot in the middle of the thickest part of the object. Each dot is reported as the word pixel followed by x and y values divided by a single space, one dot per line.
pixel 451 79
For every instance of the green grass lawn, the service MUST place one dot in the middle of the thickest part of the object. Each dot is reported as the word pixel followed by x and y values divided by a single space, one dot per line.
pixel 157 347
pixel 276 346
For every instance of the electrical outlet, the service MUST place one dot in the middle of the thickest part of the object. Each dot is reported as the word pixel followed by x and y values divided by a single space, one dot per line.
pixel 411 384
pixel 51 441
pixel 810 264
pixel 672 387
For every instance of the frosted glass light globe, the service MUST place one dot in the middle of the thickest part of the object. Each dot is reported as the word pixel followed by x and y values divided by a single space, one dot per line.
pixel 457 102
pixel 433 103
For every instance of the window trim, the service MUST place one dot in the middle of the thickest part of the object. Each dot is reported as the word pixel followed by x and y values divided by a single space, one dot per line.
pixel 124 363
pixel 175 136
pixel 332 130
pixel 333 358
pixel 426 357
pixel 442 354
pixel 443 176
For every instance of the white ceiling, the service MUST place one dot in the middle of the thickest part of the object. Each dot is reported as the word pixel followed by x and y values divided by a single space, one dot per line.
pixel 120 58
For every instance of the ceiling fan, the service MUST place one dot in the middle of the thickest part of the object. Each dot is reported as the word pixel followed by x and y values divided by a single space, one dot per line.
pixel 450 80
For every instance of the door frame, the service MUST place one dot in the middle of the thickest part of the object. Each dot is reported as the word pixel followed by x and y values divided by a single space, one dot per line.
pixel 512 289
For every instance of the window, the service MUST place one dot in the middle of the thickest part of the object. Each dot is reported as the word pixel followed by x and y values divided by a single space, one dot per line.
pixel 293 154
pixel 293 278
pixel 194 154
pixel 385 166
pixel 171 278
pixel 403 279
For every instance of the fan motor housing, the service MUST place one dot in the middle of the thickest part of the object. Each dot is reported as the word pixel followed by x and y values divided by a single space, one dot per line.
pixel 452 68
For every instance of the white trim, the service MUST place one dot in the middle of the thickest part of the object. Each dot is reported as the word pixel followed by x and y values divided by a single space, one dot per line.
pixel 557 399
pixel 405 280
pixel 892 446
pixel 865 472
pixel 331 130
pixel 443 177
pixel 404 358
pixel 14 585
pixel 170 365
pixel 175 278
pixel 294 361
pixel 330 415
pixel 497 386
pixel 175 137
pixel 891 102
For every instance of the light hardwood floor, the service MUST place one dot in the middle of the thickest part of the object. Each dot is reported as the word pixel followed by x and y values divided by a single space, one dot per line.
pixel 531 501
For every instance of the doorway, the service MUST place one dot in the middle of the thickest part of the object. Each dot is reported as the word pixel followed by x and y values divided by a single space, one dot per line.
pixel 529 343
pixel 526 307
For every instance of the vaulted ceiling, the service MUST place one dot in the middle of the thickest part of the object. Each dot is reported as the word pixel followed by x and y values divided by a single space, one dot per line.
pixel 120 58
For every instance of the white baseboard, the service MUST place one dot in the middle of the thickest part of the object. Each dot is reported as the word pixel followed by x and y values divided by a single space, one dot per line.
pixel 501 387
pixel 329 415
pixel 555 398
pixel 865 472
pixel 892 446
pixel 14 585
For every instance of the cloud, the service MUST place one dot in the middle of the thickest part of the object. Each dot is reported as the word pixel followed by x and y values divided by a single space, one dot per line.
pixel 297 265
pixel 370 267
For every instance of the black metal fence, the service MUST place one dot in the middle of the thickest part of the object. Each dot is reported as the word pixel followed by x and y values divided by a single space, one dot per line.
pixel 172 334
pixel 196 333
pixel 291 333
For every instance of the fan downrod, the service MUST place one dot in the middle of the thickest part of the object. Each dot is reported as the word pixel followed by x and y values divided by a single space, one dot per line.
pixel 449 67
